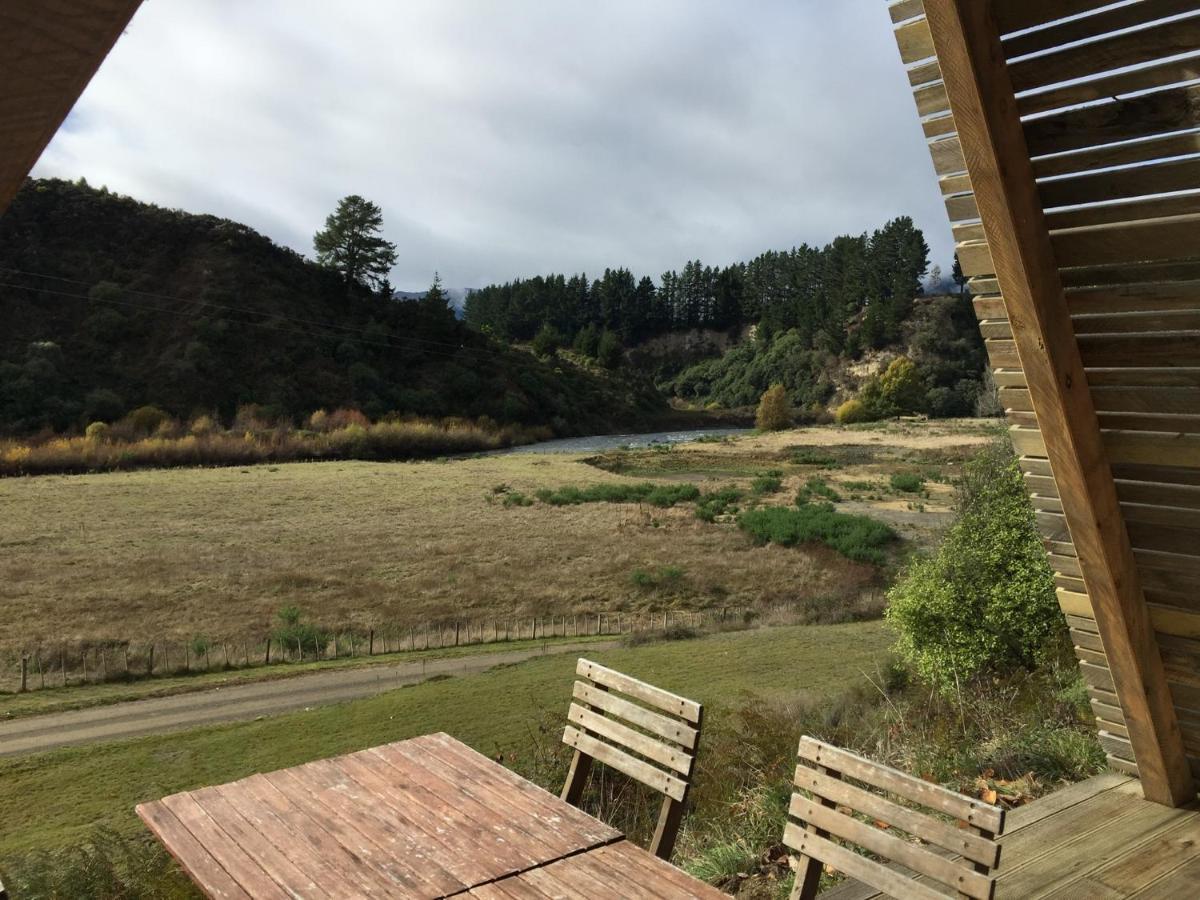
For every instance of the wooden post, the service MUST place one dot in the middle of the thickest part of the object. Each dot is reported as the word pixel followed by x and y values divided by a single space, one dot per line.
pixel 127 659
pixel 24 673
pixel 150 660
pixel 37 658
pixel 371 642
pixel 267 657
pixel 967 41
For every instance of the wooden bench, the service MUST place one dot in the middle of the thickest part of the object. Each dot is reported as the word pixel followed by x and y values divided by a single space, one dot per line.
pixel 648 734
pixel 833 806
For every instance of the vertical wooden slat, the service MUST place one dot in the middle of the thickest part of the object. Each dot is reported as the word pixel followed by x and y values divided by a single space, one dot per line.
pixel 967 41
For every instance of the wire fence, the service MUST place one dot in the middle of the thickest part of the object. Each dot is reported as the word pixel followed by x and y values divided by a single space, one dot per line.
pixel 65 663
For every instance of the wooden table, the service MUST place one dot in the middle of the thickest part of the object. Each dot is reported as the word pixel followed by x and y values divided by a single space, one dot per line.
pixel 427 817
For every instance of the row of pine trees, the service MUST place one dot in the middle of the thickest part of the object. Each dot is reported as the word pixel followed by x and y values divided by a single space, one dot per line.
pixel 816 291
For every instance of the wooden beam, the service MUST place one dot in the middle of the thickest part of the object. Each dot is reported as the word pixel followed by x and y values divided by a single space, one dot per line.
pixel 48 54
pixel 967 40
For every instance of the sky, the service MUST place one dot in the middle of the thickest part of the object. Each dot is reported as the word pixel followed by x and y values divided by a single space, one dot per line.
pixel 508 138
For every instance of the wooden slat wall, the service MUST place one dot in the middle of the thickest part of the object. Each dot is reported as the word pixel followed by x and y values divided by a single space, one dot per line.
pixel 1117 155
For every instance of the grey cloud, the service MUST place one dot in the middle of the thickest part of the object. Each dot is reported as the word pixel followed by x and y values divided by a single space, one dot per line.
pixel 516 137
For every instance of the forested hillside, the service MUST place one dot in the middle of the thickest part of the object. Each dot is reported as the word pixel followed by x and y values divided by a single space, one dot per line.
pixel 109 304
pixel 804 317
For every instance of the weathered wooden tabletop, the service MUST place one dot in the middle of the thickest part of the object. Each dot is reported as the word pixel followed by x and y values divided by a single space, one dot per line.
pixel 423 818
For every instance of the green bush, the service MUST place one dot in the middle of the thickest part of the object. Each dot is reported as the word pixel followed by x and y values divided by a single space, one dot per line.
pixel 774 411
pixel 852 411
pixel 855 537
pixel 766 484
pixel 718 503
pixel 908 482
pixel 660 495
pixel 985 601
pixel 817 488
pixel 547 341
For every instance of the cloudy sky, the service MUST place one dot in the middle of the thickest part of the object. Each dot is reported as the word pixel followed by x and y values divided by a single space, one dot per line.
pixel 511 137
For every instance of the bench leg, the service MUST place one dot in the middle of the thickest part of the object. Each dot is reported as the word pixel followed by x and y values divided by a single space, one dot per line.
pixel 581 765
pixel 808 878
pixel 670 817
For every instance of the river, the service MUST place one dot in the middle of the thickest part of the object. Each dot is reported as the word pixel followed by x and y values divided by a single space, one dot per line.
pixel 598 442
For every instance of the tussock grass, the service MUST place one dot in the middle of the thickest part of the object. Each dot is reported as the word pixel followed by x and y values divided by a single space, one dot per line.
pixel 663 496
pixel 391 440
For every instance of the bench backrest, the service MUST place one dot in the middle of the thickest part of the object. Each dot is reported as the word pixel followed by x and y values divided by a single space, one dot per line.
pixel 647 733
pixel 832 806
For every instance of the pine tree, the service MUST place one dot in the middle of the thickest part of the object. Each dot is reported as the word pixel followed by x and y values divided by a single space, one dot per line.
pixel 350 242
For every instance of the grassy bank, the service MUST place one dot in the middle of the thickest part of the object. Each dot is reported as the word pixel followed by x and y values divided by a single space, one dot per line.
pixel 57 799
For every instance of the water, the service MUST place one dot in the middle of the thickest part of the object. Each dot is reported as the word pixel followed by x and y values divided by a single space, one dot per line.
pixel 598 442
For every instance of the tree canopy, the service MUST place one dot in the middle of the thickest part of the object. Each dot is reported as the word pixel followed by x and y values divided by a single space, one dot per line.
pixel 350 243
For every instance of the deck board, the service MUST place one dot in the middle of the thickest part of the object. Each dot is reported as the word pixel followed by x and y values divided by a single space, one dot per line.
pixel 1094 840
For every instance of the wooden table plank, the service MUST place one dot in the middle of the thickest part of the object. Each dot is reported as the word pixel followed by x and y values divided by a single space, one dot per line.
pixel 232 858
pixel 199 864
pixel 570 820
pixel 489 824
pixel 374 830
pixel 306 842
pixel 384 862
pixel 538 822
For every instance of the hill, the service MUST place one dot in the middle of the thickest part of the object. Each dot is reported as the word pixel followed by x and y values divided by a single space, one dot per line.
pixel 110 304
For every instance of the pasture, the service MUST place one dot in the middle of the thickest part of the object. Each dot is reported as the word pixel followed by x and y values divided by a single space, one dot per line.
pixel 161 554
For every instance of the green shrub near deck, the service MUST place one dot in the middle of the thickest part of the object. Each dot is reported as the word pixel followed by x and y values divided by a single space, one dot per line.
pixel 985 601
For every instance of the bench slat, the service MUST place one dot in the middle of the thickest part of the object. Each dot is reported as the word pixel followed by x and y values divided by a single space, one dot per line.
pixel 621 761
pixel 857 867
pixel 639 743
pixel 974 812
pixel 972 846
pixel 664 700
pixel 663 726
pixel 913 856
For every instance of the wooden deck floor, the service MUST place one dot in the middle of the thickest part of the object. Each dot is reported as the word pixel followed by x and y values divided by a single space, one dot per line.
pixel 1098 840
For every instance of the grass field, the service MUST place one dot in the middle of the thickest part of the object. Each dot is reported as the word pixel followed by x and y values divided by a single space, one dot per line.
pixel 58 798
pixel 152 555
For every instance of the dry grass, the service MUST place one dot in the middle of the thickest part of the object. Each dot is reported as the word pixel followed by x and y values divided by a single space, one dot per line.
pixel 157 554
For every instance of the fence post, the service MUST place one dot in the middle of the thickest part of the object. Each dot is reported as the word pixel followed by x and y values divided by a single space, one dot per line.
pixel 24 673
pixel 267 657
pixel 456 627
pixel 299 650
pixel 150 660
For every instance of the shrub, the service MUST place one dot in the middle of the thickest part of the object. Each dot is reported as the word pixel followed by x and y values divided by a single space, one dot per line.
pixel 103 405
pixel 718 503
pixel 985 601
pixel 774 411
pixel 766 484
pixel 587 342
pixel 145 419
pixel 547 341
pixel 855 537
pixel 817 488
pixel 516 498
pixel 664 578
pixel 660 495
pixel 901 388
pixel 608 350
pixel 853 410
pixel 809 457
pixel 203 425
pixel 908 482
pixel 97 431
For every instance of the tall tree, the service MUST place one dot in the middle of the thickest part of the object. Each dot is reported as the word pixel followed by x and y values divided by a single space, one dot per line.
pixel 350 242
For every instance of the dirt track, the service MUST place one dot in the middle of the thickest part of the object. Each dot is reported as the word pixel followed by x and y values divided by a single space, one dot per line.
pixel 34 734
